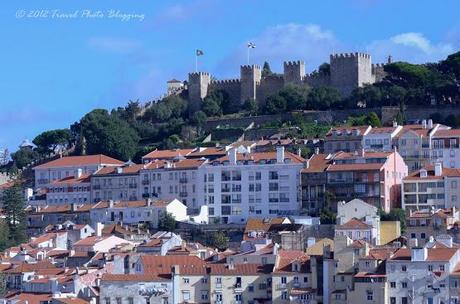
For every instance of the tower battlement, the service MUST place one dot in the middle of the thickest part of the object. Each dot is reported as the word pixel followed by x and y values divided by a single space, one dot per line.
pixel 294 71
pixel 198 74
pixel 251 67
pixel 349 55
pixel 225 81
pixel 293 63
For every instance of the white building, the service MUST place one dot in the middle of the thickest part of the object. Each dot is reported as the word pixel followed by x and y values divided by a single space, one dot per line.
pixel 431 187
pixel 239 186
pixel 69 165
pixel 136 212
pixel 380 139
pixel 71 189
pixel 421 275
pixel 446 148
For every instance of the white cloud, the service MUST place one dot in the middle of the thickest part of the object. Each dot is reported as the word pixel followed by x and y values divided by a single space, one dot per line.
pixel 114 44
pixel 183 11
pixel 308 42
pixel 411 47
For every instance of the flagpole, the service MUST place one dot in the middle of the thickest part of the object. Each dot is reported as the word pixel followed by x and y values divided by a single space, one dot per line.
pixel 248 54
pixel 196 63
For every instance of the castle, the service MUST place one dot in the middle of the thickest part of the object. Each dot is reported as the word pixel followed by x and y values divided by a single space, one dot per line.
pixel 347 72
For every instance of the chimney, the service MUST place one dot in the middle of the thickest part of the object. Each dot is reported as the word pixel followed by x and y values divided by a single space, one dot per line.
pixel 79 172
pixel 362 152
pixel 424 123
pixel 307 163
pixel 418 254
pixel 74 207
pixel 110 203
pixel 413 243
pixel 316 150
pixel 430 123
pixel 311 241
pixel 395 123
pixel 119 170
pixel 438 169
pixel 280 155
pixel 299 152
pixel 99 227
pixel 232 156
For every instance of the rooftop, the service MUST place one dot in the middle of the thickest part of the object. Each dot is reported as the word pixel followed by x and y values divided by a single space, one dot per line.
pixel 80 161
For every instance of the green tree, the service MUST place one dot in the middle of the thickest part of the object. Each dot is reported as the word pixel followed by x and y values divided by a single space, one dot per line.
pixel 4 235
pixel 295 96
pixel 211 107
pixel 374 120
pixel 50 141
pixel 13 206
pixel 167 223
pixel 327 216
pixel 323 98
pixel 275 104
pixel 266 70
pixel 324 69
pixel 108 134
pixel 219 240
pixel 24 157
pixel 251 106
pixel 451 121
pixel 3 284
pixel 396 214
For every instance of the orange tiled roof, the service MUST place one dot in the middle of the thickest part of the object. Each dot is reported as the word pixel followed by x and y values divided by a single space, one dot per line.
pixel 434 254
pixel 167 154
pixel 287 257
pixel 30 298
pixel 70 301
pixel 175 165
pixel 345 130
pixel 258 156
pixel 75 161
pixel 131 169
pixel 84 178
pixel 90 241
pixel 353 224
pixel 317 163
pixel 449 172
pixel 133 277
pixel 212 151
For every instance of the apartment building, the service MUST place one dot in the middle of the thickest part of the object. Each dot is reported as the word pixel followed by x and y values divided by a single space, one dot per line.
pixel 69 166
pixel 446 147
pixel 71 189
pixel 346 138
pixel 314 182
pixel 116 183
pixel 431 187
pixel 239 186
pixel 136 212
pixel 423 225
pixel 381 139
pixel 421 274
pixel 167 180
pixel 415 143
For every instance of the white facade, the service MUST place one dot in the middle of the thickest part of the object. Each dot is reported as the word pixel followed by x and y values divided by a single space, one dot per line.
pixel 252 185
pixel 380 139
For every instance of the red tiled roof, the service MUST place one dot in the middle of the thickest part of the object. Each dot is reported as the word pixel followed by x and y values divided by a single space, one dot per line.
pixel 175 165
pixel 345 130
pixel 285 259
pixel 131 169
pixel 133 277
pixel 70 301
pixel 354 167
pixel 75 161
pixel 162 264
pixel 353 224
pixel 434 254
pixel 430 170
pixel 209 152
pixel 90 241
pixel 30 298
pixel 167 154
pixel 258 156
pixel 447 133
pixel 84 178
pixel 317 163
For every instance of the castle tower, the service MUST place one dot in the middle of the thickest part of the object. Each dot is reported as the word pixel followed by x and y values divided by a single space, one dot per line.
pixel 250 76
pixel 294 72
pixel 349 71
pixel 198 84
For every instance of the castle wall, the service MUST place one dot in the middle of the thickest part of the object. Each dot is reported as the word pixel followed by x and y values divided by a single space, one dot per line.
pixel 350 70
pixel 268 86
pixel 294 72
pixel 318 80
pixel 250 76
pixel 378 72
pixel 231 86
pixel 198 86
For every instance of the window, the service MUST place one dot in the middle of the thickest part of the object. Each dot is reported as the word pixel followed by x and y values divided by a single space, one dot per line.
pixel 204 295
pixel 251 288
pixel 404 300
pixel 118 299
pixel 441 267
pixel 130 300
pixel 283 280
pixel 107 300
pixel 422 235
pixel 392 300
pixel 392 284
pixel 403 284
pixel 430 267
pixel 284 295
pixel 404 268
pixel 370 295
pixel 204 281
pixel 186 295
pixel 186 280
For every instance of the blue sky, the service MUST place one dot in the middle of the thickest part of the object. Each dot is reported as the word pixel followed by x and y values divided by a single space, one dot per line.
pixel 56 69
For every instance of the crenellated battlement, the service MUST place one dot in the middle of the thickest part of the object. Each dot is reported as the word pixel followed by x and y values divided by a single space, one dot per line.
pixel 196 74
pixel 293 63
pixel 251 67
pixel 225 81
pixel 349 55
pixel 378 65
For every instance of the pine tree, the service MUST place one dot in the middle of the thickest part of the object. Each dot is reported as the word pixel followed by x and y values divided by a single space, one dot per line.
pixel 15 214
pixel 266 70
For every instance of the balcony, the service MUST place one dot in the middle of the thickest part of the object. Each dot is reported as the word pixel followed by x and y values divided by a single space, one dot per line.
pixel 281 286
pixel 145 182
pixel 132 186
pixel 145 195
pixel 133 198
pixel 183 180
pixel 284 199
pixel 236 201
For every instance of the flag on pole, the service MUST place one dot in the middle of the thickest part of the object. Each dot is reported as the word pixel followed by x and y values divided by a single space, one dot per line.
pixel 199 52
pixel 251 45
